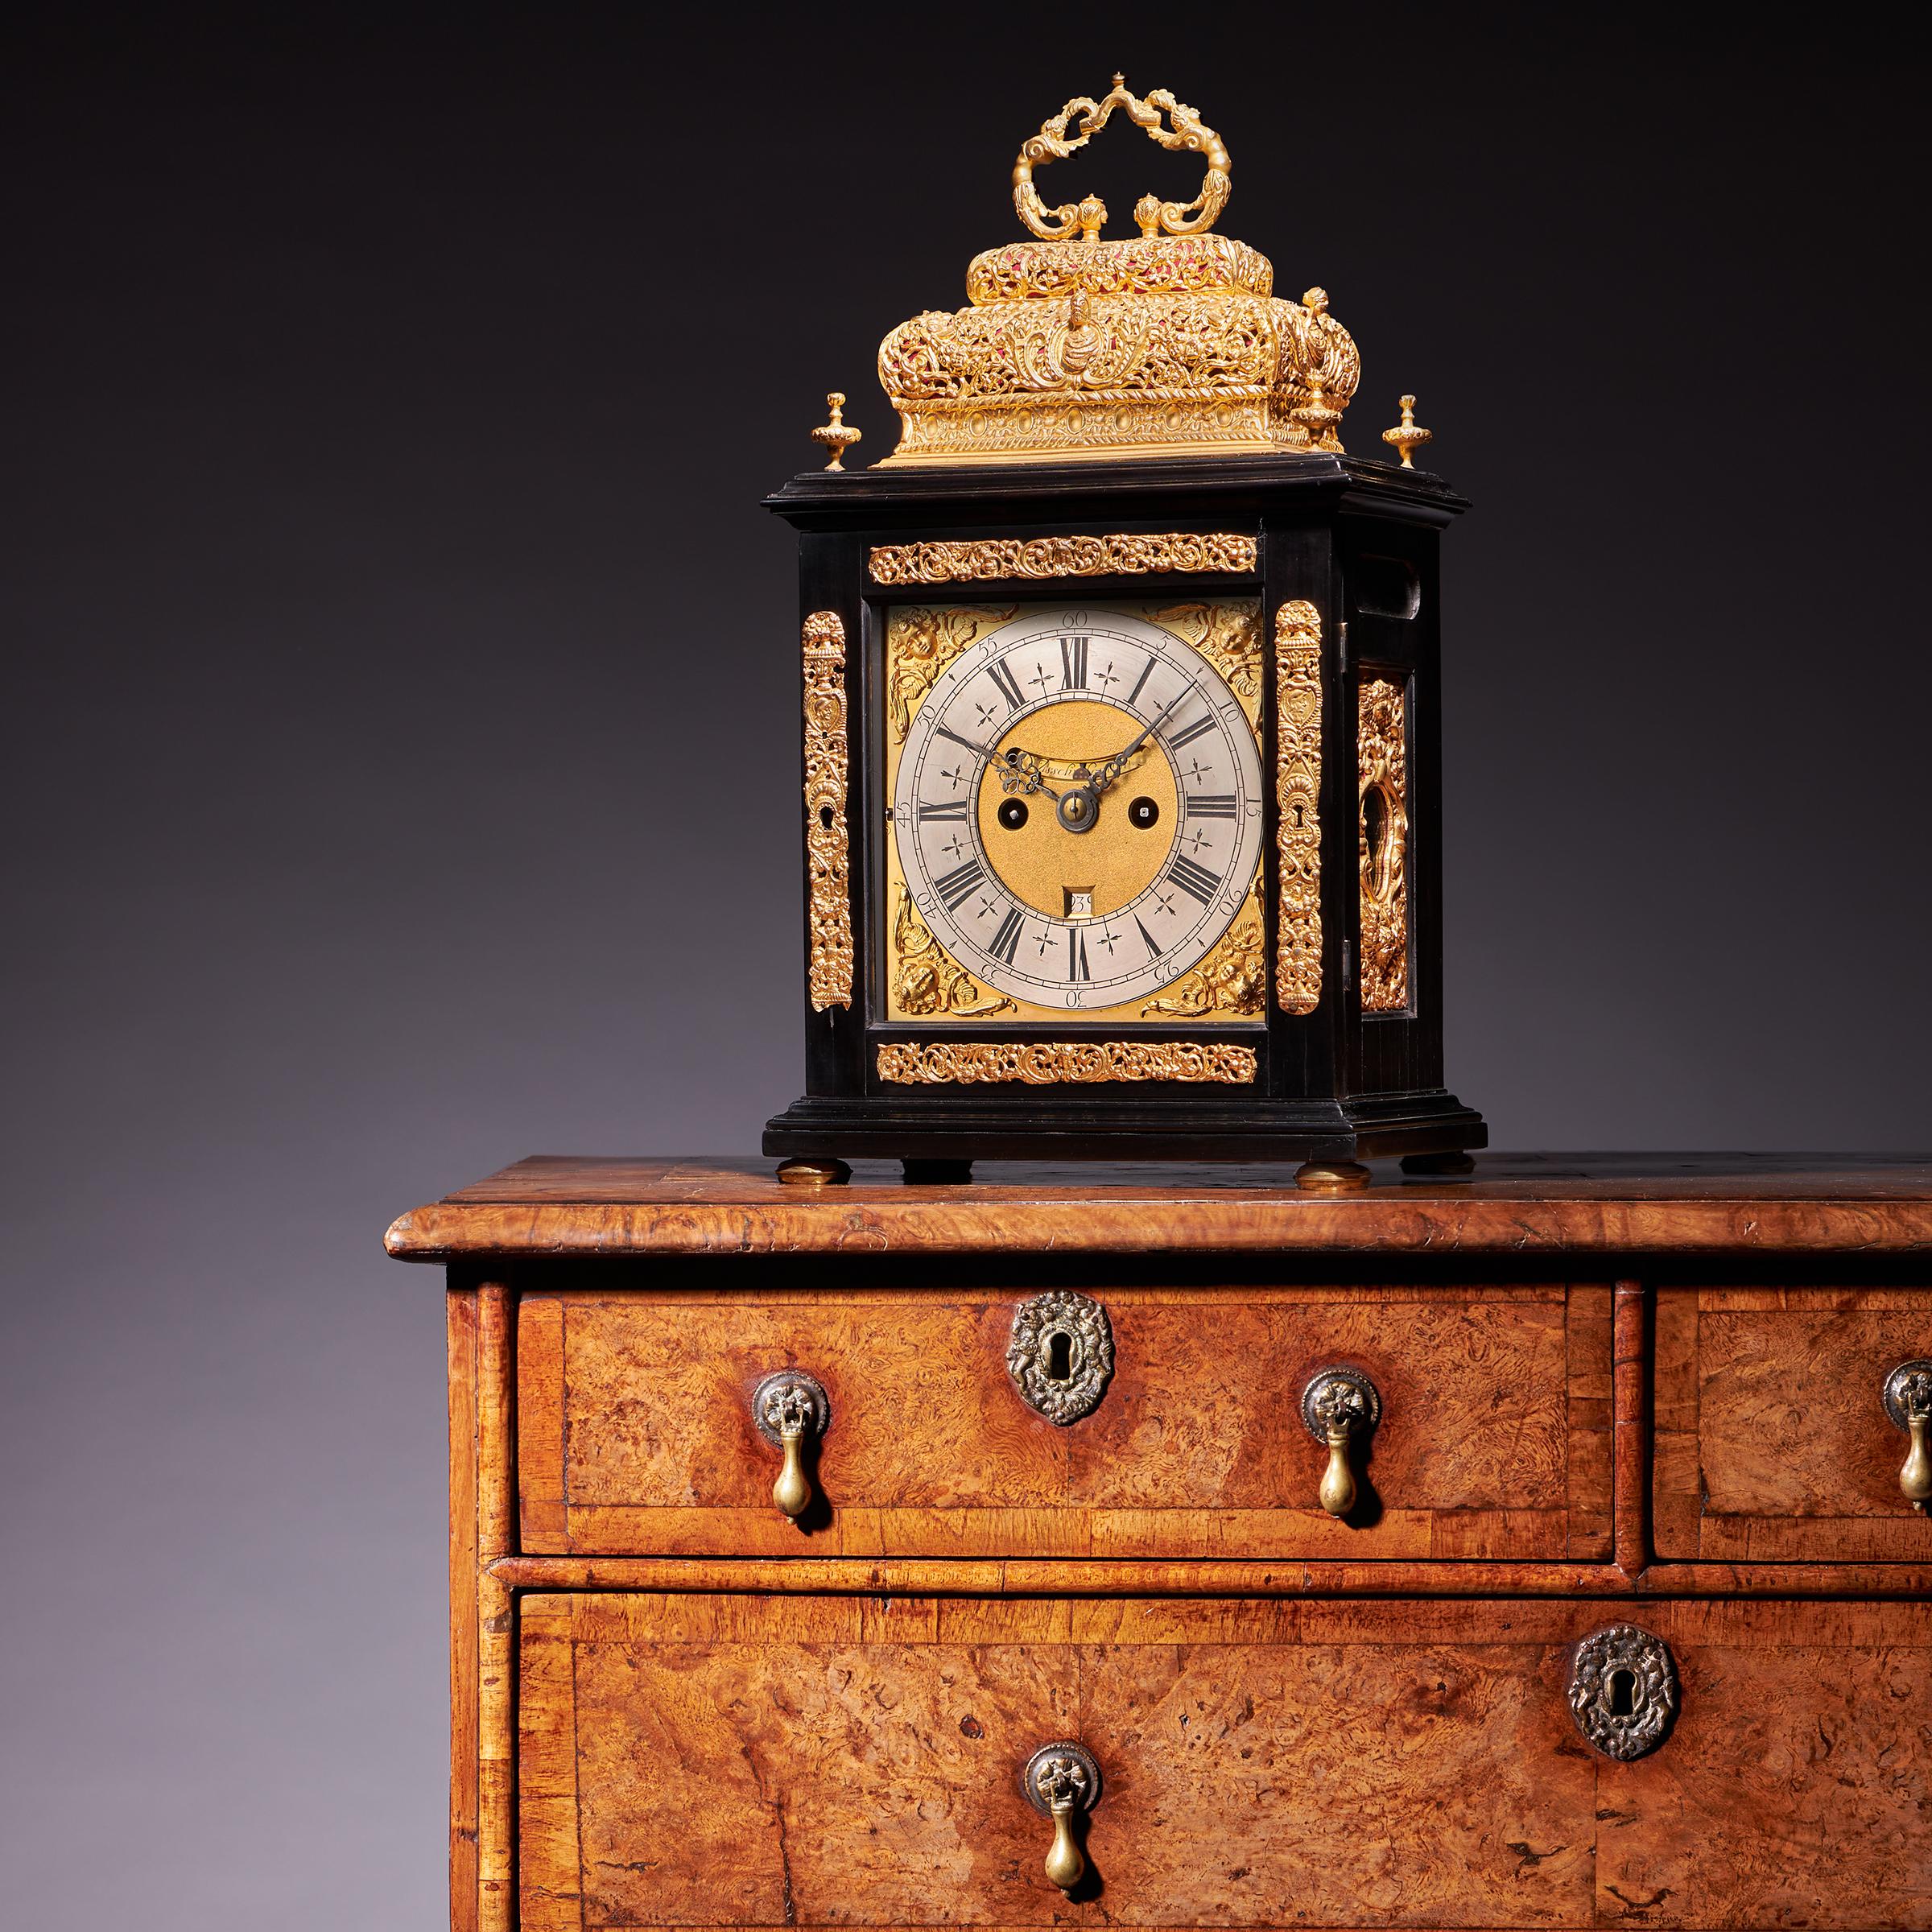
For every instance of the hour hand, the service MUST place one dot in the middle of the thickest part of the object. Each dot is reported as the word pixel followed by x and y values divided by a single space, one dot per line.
pixel 1019 772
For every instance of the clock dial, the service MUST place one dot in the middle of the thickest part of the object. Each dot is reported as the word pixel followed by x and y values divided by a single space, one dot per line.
pixel 1078 808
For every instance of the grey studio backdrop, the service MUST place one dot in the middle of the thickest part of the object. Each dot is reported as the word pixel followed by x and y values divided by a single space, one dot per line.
pixel 402 713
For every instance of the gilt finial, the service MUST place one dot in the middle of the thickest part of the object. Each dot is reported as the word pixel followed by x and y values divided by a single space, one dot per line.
pixel 1406 436
pixel 1316 416
pixel 837 435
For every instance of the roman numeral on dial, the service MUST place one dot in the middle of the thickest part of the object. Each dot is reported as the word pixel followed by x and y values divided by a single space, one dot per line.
pixel 1209 804
pixel 945 808
pixel 1073 663
pixel 1076 955
pixel 1188 733
pixel 1153 952
pixel 1196 880
pixel 954 888
pixel 1006 941
pixel 1009 690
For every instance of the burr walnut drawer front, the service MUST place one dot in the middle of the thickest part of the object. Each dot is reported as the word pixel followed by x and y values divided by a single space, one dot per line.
pixel 761 1761
pixel 1791 1424
pixel 1472 1422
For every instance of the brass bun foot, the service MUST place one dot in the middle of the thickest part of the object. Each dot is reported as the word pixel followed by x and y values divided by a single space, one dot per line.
pixel 814 1174
pixel 1458 1162
pixel 1331 1177
pixel 937 1174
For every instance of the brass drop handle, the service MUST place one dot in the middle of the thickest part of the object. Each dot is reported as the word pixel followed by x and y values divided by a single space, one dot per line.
pixel 1062 1781
pixel 789 1409
pixel 1908 1400
pixel 1338 1406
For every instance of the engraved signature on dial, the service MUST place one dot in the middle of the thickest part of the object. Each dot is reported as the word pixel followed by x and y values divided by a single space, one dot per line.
pixel 1078 808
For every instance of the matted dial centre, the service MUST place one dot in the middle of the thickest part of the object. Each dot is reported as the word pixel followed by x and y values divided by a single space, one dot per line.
pixel 1078 854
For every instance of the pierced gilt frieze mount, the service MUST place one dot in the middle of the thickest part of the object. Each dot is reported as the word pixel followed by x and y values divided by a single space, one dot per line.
pixel 1382 836
pixel 828 881
pixel 1121 554
pixel 1232 978
pixel 1053 1063
pixel 1297 793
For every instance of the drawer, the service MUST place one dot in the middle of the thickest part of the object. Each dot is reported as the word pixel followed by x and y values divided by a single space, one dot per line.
pixel 1771 1441
pixel 636 1434
pixel 748 1761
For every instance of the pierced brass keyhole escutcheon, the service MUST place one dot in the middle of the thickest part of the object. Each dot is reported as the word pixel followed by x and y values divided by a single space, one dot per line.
pixel 1908 1399
pixel 789 1409
pixel 1062 1781
pixel 1623 1690
pixel 1339 1405
pixel 1060 1354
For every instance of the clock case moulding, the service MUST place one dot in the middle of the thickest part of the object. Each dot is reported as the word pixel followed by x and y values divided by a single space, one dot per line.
pixel 1356 539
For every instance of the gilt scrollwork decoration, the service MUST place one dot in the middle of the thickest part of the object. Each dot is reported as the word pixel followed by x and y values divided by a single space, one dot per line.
pixel 1382 835
pixel 1228 635
pixel 826 842
pixel 1297 793
pixel 1130 555
pixel 1187 133
pixel 1052 1063
pixel 919 645
pixel 928 980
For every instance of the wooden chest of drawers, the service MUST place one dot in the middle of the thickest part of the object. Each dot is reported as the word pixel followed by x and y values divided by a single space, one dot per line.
pixel 1071 1470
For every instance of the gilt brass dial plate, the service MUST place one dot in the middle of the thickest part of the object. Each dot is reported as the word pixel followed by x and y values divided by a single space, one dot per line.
pixel 1077 812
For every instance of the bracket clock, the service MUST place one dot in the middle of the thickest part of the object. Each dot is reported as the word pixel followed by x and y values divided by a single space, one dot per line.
pixel 1120 675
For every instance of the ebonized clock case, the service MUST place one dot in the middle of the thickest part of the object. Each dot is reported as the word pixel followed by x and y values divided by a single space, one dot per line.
pixel 1356 540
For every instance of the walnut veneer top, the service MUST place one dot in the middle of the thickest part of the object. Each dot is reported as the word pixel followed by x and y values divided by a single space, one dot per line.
pixel 1595 1203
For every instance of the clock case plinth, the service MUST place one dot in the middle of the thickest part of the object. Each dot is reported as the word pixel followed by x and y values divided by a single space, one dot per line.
pixel 1358 540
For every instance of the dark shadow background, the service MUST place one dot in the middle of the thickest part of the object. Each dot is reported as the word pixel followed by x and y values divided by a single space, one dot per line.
pixel 403 701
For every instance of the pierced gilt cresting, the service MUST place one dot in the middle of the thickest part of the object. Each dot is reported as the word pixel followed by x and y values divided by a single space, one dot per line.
pixel 1170 344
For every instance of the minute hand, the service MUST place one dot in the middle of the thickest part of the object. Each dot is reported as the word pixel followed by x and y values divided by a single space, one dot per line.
pixel 1110 770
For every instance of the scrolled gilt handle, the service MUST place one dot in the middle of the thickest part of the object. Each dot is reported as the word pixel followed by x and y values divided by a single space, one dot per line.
pixel 1062 1781
pixel 1908 1400
pixel 789 1409
pixel 1187 134
pixel 1338 1406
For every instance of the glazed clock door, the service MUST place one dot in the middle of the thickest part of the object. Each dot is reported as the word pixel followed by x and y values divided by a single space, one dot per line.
pixel 1077 814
